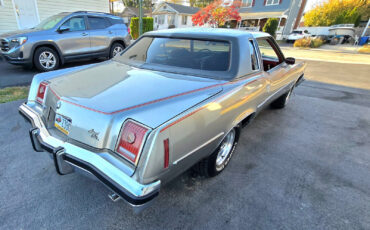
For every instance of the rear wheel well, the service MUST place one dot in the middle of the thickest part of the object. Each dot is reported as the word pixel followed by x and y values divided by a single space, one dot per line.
pixel 247 120
pixel 119 42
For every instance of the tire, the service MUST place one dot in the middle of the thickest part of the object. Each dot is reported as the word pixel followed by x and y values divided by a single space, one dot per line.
pixel 116 49
pixel 283 100
pixel 219 159
pixel 46 59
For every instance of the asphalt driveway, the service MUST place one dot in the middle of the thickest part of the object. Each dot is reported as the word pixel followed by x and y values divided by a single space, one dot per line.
pixel 304 167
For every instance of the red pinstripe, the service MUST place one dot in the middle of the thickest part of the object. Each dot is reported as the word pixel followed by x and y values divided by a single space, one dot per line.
pixel 146 103
pixel 197 110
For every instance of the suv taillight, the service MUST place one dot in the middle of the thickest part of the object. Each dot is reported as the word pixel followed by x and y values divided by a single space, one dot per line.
pixel 41 92
pixel 131 141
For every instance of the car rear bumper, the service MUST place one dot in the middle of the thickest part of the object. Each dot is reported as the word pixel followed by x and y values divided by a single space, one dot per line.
pixel 68 158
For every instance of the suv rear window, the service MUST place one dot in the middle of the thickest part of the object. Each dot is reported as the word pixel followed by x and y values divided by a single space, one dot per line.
pixel 97 23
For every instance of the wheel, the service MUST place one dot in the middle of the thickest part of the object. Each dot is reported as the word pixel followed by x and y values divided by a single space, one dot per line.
pixel 282 101
pixel 116 49
pixel 218 160
pixel 46 59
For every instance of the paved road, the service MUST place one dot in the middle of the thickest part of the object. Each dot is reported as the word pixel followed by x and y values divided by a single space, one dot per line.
pixel 304 167
pixel 12 75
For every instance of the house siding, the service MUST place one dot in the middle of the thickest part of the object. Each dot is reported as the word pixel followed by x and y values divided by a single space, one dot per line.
pixel 47 8
pixel 260 7
pixel 7 17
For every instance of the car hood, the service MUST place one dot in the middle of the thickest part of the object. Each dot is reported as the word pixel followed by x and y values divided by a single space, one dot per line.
pixel 19 33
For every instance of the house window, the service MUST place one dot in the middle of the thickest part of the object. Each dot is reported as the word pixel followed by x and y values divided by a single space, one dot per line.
pixel 272 2
pixel 1 2
pixel 161 19
pixel 184 19
pixel 247 3
pixel 156 19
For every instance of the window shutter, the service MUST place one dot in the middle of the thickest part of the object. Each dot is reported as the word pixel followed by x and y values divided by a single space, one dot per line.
pixel 280 1
pixel 264 2
pixel 254 1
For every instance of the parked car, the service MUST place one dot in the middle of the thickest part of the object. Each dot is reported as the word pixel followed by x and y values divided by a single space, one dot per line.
pixel 297 34
pixel 174 99
pixel 65 37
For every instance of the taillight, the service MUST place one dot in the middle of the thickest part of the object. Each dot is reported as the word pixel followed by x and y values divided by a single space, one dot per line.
pixel 128 29
pixel 131 141
pixel 41 92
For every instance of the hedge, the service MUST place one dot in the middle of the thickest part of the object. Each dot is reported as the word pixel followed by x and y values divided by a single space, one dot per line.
pixel 271 26
pixel 134 26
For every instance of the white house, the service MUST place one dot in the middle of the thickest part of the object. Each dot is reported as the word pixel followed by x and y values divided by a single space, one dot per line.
pixel 22 14
pixel 173 15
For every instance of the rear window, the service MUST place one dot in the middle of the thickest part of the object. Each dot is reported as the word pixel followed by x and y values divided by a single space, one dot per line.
pixel 297 32
pixel 204 55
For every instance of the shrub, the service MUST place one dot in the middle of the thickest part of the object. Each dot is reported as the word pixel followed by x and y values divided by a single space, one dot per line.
pixel 271 26
pixel 134 26
pixel 308 42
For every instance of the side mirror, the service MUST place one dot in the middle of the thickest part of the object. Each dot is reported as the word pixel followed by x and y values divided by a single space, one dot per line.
pixel 290 61
pixel 63 28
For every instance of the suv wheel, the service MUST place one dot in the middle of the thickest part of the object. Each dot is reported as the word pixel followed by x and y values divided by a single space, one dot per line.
pixel 115 49
pixel 46 59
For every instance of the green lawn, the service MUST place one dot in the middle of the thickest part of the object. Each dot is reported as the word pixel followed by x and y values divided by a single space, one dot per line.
pixel 13 93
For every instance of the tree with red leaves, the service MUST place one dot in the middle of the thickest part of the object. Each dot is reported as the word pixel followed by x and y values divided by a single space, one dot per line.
pixel 217 14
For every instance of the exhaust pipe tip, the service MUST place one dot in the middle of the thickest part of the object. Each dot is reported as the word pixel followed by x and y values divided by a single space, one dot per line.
pixel 114 197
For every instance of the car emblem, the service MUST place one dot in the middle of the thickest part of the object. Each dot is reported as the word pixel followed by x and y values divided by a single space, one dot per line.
pixel 59 104
pixel 93 134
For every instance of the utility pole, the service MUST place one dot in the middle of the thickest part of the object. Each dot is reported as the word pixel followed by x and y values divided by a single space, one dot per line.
pixel 140 17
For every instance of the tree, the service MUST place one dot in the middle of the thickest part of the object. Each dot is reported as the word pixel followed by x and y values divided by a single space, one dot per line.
pixel 216 14
pixel 271 26
pixel 334 12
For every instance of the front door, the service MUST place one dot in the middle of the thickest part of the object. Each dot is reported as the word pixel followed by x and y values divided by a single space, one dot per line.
pixel 26 13
pixel 76 39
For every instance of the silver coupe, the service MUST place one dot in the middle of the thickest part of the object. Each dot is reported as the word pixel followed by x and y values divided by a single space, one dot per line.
pixel 173 100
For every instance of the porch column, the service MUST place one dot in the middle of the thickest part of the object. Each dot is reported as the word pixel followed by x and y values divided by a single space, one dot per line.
pixel 279 22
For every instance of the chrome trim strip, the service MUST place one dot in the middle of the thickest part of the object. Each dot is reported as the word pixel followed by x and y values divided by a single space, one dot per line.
pixel 197 148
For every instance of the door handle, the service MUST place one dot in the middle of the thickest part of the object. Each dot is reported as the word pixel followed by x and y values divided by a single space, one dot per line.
pixel 84 34
pixel 110 32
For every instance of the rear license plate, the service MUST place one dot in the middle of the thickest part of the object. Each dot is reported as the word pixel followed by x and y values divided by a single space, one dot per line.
pixel 62 123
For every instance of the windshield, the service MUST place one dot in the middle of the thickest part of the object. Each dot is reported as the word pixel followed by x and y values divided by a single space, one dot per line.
pixel 297 32
pixel 189 56
pixel 50 22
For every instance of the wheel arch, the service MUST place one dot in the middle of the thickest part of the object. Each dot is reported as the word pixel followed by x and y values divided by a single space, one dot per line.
pixel 117 40
pixel 50 45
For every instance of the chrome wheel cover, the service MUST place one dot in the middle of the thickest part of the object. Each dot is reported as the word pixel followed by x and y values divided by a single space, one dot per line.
pixel 47 60
pixel 225 150
pixel 117 50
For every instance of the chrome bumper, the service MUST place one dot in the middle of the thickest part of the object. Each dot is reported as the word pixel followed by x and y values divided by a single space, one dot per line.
pixel 68 157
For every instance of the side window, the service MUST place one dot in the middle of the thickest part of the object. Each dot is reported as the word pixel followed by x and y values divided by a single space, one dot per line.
pixel 266 50
pixel 96 23
pixel 75 24
pixel 253 55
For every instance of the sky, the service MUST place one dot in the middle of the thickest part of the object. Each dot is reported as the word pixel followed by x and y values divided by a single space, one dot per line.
pixel 312 3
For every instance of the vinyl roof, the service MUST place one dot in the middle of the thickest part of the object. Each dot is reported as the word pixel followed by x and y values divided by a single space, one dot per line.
pixel 206 33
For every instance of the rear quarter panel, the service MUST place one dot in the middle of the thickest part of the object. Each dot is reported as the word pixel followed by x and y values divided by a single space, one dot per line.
pixel 196 133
